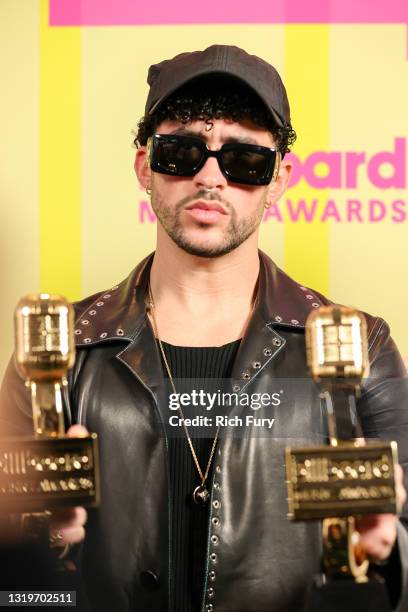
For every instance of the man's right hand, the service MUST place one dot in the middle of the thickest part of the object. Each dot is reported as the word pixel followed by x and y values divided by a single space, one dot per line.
pixel 67 524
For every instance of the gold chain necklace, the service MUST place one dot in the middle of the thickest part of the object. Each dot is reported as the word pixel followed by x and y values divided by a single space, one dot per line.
pixel 200 493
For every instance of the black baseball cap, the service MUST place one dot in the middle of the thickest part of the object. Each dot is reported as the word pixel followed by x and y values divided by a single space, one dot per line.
pixel 167 76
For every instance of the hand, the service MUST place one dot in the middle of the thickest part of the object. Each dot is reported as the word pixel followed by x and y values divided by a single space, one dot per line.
pixel 378 532
pixel 67 524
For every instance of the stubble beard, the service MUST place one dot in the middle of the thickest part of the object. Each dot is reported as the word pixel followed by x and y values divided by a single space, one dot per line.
pixel 237 231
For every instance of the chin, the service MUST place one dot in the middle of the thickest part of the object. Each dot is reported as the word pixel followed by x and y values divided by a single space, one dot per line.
pixel 208 251
pixel 209 245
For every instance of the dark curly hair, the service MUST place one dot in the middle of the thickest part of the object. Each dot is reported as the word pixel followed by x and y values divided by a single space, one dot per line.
pixel 210 98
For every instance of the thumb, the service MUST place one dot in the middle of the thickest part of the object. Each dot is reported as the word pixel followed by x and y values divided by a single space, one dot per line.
pixel 77 431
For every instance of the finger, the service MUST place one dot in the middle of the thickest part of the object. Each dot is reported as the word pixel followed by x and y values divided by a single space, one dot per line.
pixel 68 517
pixel 366 523
pixel 67 535
pixel 399 485
pixel 377 535
pixel 378 551
pixel 77 431
pixel 398 475
pixel 376 524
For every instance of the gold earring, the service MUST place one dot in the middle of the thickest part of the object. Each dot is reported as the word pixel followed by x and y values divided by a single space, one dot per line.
pixel 268 205
pixel 148 191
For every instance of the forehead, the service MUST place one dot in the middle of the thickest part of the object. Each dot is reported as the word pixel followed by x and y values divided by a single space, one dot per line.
pixel 221 130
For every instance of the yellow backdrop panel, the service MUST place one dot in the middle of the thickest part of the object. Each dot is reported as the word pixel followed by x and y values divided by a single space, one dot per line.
pixel 368 102
pixel 19 161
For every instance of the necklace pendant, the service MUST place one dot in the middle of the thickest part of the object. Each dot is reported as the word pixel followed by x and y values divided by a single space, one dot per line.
pixel 200 495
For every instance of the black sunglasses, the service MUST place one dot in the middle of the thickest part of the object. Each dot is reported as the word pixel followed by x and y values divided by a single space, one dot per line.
pixel 239 162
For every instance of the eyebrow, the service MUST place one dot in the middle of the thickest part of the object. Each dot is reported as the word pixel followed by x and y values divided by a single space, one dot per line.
pixel 183 131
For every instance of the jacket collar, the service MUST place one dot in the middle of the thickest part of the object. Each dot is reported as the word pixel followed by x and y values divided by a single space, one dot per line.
pixel 116 313
pixel 119 312
pixel 282 301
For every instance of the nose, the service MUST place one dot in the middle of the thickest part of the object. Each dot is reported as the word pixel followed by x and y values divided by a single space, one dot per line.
pixel 210 176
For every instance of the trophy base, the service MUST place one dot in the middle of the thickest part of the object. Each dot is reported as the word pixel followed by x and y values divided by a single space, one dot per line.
pixel 38 474
pixel 343 480
pixel 347 595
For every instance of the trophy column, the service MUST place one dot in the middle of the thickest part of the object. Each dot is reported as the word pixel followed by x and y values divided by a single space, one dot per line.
pixel 346 478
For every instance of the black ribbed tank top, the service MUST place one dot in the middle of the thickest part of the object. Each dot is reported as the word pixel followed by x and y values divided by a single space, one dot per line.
pixel 199 367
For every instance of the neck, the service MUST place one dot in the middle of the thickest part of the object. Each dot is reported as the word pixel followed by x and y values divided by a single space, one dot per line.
pixel 203 301
pixel 197 281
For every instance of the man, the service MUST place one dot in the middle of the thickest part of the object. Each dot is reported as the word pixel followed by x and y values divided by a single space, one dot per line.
pixel 199 523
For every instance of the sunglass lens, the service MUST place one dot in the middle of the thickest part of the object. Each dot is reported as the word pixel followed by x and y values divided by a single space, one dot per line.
pixel 246 166
pixel 178 156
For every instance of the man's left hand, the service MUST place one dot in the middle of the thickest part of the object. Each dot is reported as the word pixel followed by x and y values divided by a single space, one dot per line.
pixel 378 532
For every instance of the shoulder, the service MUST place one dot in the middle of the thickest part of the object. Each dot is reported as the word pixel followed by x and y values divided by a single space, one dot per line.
pixel 114 312
pixel 286 302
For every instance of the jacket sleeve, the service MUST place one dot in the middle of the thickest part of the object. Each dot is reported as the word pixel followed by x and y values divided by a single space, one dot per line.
pixel 383 411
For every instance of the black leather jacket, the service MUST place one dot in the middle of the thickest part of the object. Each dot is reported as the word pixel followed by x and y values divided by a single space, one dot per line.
pixel 257 559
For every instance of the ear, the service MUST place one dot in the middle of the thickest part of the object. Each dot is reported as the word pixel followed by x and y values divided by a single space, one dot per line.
pixel 142 168
pixel 278 187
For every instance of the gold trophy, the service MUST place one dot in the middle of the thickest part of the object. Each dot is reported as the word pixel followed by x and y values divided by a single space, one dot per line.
pixel 48 470
pixel 346 478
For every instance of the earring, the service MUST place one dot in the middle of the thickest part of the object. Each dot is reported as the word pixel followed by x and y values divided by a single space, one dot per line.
pixel 148 191
pixel 267 205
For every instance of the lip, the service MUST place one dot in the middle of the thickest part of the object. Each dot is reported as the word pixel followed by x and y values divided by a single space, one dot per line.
pixel 205 205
